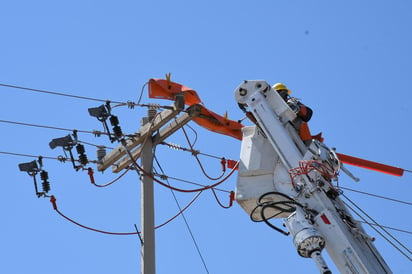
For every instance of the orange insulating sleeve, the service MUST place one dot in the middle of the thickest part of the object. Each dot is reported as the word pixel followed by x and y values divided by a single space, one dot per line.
pixel 90 172
pixel 232 164
pixel 370 165
pixel 219 124
pixel 164 89
pixel 53 201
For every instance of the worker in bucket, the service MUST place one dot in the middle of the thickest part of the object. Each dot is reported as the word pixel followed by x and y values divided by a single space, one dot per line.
pixel 304 113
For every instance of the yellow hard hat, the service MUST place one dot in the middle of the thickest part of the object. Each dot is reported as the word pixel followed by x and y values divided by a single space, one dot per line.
pixel 280 86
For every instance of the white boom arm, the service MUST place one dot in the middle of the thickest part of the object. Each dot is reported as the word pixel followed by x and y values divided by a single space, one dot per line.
pixel 281 177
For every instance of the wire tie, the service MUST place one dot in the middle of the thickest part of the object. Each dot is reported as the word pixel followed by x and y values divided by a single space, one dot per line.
pixel 97 133
pixel 163 177
pixel 61 158
pixel 131 104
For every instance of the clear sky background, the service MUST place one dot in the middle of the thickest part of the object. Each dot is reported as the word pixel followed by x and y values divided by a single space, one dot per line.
pixel 350 61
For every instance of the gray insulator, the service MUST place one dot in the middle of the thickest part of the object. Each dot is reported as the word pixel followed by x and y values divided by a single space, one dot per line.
pixel 101 152
pixel 151 113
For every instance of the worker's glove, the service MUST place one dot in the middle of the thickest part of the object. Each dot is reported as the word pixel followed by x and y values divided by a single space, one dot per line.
pixel 293 103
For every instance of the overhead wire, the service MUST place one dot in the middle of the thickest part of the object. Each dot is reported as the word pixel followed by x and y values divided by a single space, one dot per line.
pixel 375 195
pixel 138 168
pixel 94 145
pixel 193 190
pixel 198 152
pixel 388 227
pixel 141 92
pixel 54 204
pixel 380 197
pixel 96 133
pixel 194 132
pixel 180 211
pixel 58 93
pixel 93 182
pixel 389 235
pixel 130 104
pixel 171 188
pixel 184 219
pixel 200 163
pixel 231 199
pixel 59 158
pixel 62 159
pixel 165 177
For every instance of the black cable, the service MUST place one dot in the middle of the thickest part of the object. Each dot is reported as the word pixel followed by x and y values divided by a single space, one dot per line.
pixel 57 93
pixel 52 127
pixel 185 220
pixel 388 227
pixel 96 133
pixel 377 196
pixel 378 225
pixel 94 145
pixel 266 219
pixel 129 103
pixel 60 158
pixel 33 156
pixel 286 206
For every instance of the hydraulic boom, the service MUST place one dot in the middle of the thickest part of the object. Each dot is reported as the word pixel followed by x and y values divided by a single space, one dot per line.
pixel 280 176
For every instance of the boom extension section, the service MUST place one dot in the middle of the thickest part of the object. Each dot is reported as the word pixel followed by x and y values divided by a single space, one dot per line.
pixel 280 176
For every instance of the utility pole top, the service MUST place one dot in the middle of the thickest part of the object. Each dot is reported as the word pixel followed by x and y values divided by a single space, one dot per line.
pixel 118 156
pixel 154 130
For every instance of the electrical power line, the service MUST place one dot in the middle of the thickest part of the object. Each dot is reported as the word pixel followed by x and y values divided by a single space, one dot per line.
pixel 376 196
pixel 199 162
pixel 93 182
pixel 95 132
pixel 53 201
pixel 186 222
pixel 166 177
pixel 192 151
pixel 130 104
pixel 62 159
pixel 58 93
pixel 381 227
pixel 389 227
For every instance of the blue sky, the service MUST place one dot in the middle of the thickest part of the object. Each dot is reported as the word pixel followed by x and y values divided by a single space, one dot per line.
pixel 350 61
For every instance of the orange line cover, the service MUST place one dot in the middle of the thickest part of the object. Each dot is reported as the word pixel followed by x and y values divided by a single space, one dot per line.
pixel 370 165
pixel 219 124
pixel 166 89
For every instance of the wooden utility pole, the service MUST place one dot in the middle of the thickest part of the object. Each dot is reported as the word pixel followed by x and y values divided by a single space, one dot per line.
pixel 148 263
pixel 155 131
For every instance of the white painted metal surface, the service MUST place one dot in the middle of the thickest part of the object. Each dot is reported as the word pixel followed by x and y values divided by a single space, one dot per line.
pixel 274 159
